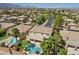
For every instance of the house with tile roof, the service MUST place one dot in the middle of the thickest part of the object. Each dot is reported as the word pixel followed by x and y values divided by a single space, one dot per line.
pixel 37 33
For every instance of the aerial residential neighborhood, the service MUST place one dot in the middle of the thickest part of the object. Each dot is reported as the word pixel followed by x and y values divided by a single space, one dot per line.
pixel 39 31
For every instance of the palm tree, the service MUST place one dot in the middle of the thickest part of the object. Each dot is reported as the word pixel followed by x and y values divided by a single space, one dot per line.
pixel 46 46
pixel 53 44
pixel 58 41
pixel 15 32
pixel 58 21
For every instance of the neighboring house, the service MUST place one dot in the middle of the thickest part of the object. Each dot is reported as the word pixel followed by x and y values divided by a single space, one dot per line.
pixel 71 38
pixel 22 28
pixel 64 17
pixel 12 19
pixel 4 18
pixel 37 33
pixel 71 24
pixel 30 19
pixel 21 18
pixel 7 25
pixel 69 20
pixel 72 41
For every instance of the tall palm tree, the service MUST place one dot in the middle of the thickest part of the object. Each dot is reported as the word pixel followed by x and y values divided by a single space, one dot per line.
pixel 46 46
pixel 15 32
pixel 53 44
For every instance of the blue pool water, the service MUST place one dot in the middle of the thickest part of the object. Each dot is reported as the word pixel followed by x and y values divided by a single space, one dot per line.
pixel 12 41
pixel 31 46
pixel 33 49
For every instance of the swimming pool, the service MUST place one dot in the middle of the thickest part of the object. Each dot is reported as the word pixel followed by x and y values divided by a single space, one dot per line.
pixel 33 49
pixel 12 41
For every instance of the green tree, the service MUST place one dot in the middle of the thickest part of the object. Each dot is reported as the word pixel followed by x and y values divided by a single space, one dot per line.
pixel 53 44
pixel 58 21
pixel 15 32
pixel 2 32
pixel 23 44
pixel 62 51
pixel 46 46
pixel 41 18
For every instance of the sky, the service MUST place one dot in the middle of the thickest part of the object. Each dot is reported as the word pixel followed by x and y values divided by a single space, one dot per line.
pixel 51 5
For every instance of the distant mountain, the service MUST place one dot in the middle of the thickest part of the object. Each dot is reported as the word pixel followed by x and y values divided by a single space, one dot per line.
pixel 4 5
pixel 14 5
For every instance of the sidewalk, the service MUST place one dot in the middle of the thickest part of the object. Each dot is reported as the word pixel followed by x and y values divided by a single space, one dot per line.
pixel 44 23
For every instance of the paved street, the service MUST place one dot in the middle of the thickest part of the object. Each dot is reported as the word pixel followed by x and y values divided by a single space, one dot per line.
pixel 49 22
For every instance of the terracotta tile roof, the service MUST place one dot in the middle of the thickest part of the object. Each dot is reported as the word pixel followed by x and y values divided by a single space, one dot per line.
pixel 40 29
pixel 73 37
pixel 22 28
pixel 7 25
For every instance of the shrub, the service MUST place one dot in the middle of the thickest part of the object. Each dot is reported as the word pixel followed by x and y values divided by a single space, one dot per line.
pixel 2 32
